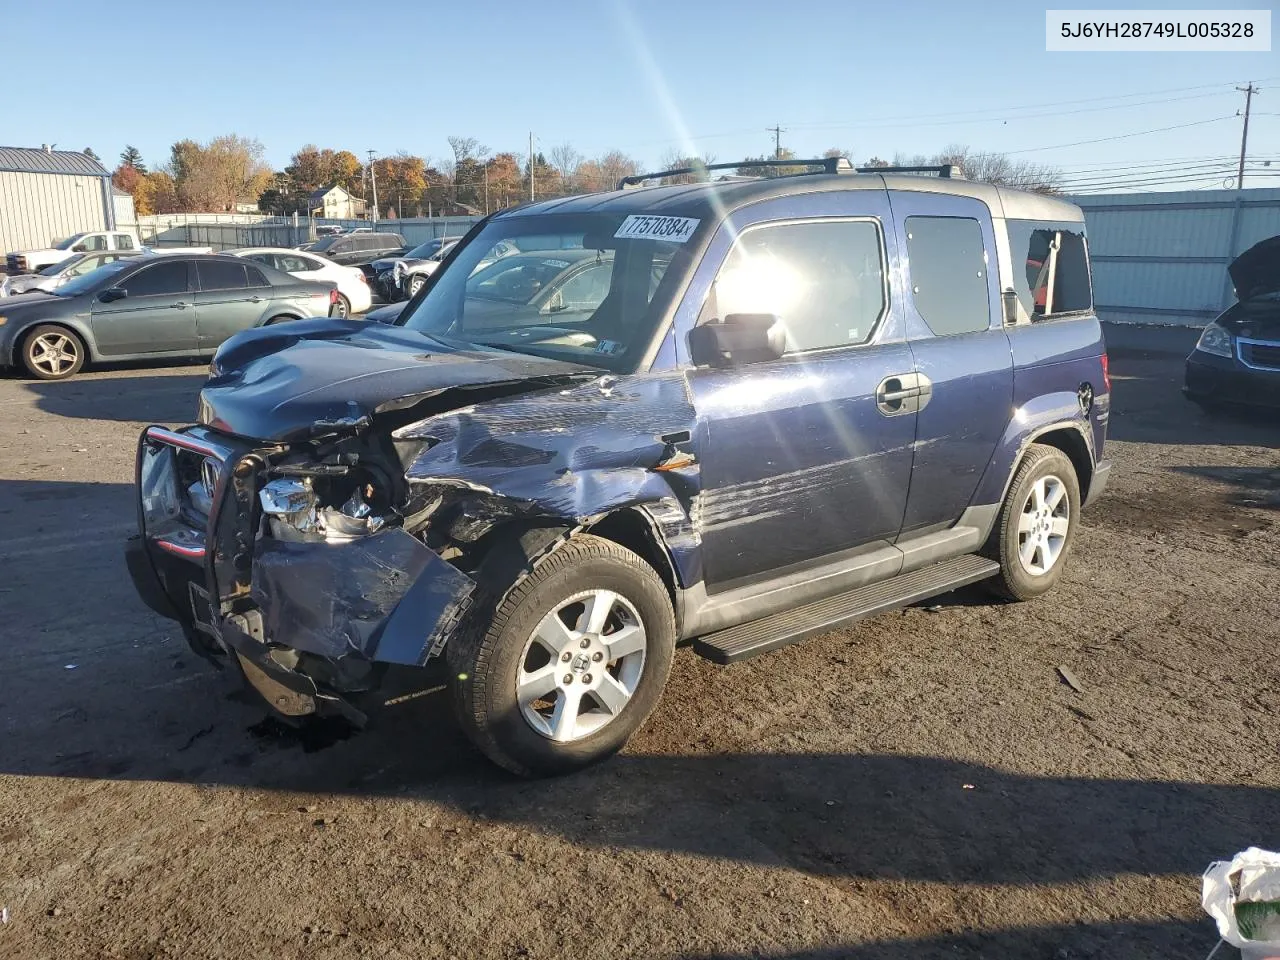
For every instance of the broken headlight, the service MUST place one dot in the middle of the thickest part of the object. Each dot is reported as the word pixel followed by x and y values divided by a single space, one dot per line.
pixel 294 512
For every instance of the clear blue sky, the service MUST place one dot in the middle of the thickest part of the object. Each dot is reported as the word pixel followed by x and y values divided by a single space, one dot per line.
pixel 875 78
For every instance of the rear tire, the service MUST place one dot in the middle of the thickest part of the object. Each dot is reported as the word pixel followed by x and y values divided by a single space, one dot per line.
pixel 562 669
pixel 1033 537
pixel 344 307
pixel 50 352
pixel 279 319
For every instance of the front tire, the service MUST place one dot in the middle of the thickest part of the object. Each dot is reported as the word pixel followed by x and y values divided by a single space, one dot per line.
pixel 52 353
pixel 1037 525
pixel 415 284
pixel 573 660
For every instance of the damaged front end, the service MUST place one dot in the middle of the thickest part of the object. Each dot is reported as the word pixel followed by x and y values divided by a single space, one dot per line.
pixel 292 562
pixel 315 563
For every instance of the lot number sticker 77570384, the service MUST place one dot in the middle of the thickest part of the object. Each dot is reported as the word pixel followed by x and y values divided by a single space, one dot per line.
pixel 671 229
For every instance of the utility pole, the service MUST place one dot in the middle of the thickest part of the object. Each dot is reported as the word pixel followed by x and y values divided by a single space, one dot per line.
pixel 777 132
pixel 1248 92
pixel 530 166
pixel 373 178
pixel 486 189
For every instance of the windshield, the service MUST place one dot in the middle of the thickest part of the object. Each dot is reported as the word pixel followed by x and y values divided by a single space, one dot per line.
pixel 99 277
pixel 323 244
pixel 423 250
pixel 57 268
pixel 554 285
pixel 70 242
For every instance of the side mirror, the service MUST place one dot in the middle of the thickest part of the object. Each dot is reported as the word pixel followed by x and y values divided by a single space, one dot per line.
pixel 737 339
pixel 111 294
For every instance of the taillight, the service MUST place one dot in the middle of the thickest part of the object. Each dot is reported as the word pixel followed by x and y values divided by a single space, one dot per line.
pixel 1106 372
pixel 363 279
pixel 333 295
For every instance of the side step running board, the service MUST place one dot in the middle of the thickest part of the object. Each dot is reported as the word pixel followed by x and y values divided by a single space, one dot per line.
pixel 791 626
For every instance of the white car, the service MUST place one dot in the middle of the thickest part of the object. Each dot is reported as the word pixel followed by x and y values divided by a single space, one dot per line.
pixel 52 277
pixel 353 289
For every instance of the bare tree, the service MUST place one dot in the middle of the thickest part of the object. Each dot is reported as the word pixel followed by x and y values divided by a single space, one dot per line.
pixel 1000 169
pixel 566 160
pixel 615 165
pixel 467 148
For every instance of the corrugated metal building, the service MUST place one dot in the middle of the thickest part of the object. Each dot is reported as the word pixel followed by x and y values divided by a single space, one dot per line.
pixel 46 195
pixel 1162 257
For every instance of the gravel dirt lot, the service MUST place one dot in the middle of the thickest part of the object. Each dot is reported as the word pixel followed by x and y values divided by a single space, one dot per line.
pixel 920 785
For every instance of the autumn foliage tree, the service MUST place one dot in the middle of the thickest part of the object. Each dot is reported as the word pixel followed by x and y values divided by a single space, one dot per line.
pixel 217 175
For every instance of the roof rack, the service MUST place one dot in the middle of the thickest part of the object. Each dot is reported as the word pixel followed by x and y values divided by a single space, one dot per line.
pixel 827 165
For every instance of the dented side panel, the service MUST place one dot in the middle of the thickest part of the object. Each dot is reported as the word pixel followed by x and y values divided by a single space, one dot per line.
pixel 570 456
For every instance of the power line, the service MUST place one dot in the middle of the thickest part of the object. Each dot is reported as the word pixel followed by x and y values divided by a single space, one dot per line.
pixel 1120 136
pixel 952 114
pixel 991 116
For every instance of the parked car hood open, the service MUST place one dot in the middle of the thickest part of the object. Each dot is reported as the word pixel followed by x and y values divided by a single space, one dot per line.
pixel 328 376
pixel 1257 270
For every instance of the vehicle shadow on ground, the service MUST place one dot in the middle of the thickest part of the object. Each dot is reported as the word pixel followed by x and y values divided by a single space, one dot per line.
pixel 835 815
pixel 148 398
pixel 1095 941
pixel 1257 487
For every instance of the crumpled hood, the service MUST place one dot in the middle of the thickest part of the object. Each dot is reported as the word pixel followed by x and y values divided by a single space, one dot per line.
pixel 30 283
pixel 389 263
pixel 1257 270
pixel 307 377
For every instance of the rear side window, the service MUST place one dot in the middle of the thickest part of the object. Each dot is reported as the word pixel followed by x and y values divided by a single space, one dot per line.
pixel 169 277
pixel 823 279
pixel 256 277
pixel 124 241
pixel 948 266
pixel 1051 268
pixel 217 275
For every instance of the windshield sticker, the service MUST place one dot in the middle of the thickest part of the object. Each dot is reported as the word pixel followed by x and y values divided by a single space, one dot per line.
pixel 561 264
pixel 610 347
pixel 671 229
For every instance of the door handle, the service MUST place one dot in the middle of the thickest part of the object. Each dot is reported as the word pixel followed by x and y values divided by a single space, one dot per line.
pixel 180 305
pixel 890 396
pixel 255 299
pixel 898 395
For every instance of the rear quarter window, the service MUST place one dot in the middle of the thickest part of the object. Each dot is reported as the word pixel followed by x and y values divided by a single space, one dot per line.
pixel 1050 268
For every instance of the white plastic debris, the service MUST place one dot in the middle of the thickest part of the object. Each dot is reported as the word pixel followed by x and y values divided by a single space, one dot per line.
pixel 1243 896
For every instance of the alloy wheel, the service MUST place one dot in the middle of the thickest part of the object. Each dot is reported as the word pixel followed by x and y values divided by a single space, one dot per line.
pixel 582 665
pixel 1043 525
pixel 54 353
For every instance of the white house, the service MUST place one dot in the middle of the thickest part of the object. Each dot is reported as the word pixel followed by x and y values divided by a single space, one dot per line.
pixel 335 203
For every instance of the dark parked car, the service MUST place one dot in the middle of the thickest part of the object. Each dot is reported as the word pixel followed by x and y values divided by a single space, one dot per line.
pixel 774 406
pixel 1237 361
pixel 154 306
pixel 358 249
pixel 400 278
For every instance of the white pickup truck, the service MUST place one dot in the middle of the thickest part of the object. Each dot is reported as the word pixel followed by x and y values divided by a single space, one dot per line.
pixel 32 261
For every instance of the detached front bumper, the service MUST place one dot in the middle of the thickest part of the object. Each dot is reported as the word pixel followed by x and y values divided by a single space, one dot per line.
pixel 309 624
